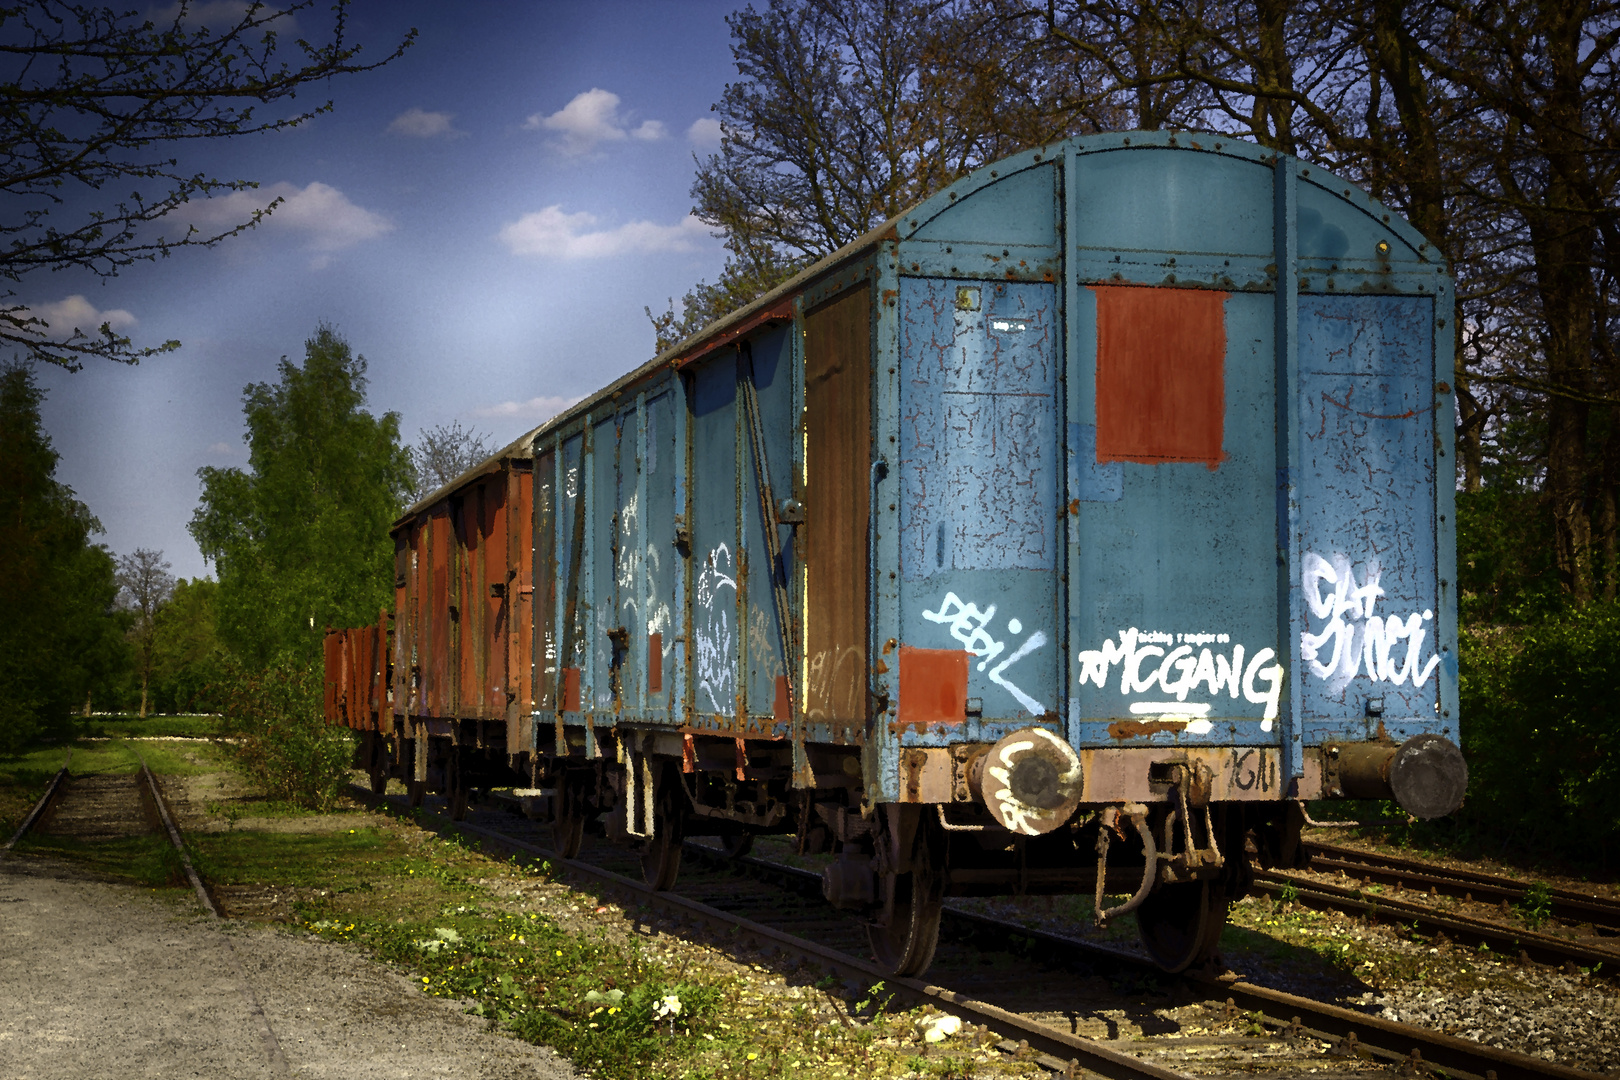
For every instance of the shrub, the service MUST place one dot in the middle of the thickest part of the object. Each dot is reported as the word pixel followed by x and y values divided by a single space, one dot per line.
pixel 1539 733
pixel 273 728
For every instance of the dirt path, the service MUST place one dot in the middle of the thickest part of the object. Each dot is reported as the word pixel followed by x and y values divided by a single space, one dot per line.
pixel 104 980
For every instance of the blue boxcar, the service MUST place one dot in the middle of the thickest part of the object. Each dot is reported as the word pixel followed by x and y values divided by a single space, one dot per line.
pixel 1063 534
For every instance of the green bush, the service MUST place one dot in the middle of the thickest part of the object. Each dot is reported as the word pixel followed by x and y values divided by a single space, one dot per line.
pixel 272 726
pixel 1538 728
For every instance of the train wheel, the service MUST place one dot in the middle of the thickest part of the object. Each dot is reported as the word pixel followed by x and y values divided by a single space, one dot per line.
pixel 567 819
pixel 736 845
pixel 661 858
pixel 1181 924
pixel 906 946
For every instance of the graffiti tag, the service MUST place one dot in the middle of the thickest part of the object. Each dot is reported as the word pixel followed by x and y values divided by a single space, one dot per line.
pixel 1353 634
pixel 1153 661
pixel 970 626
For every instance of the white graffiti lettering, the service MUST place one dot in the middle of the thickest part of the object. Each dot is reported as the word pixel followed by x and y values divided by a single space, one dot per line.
pixel 1353 635
pixel 1013 812
pixel 716 646
pixel 969 625
pixel 1154 661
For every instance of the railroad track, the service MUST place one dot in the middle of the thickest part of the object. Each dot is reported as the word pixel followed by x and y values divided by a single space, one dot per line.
pixel 1438 902
pixel 1574 907
pixel 1041 994
pixel 38 812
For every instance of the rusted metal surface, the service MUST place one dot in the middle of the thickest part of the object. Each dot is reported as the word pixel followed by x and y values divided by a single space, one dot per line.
pixel 837 396
pixel 1161 378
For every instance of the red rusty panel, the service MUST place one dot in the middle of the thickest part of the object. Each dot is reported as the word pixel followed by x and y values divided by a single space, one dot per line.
pixel 570 689
pixel 1161 381
pixel 435 634
pixel 467 622
pixel 497 547
pixel 782 707
pixel 356 653
pixel 933 687
pixel 543 646
pixel 520 608
pixel 655 663
pixel 838 453
pixel 405 619
pixel 332 685
pixel 381 682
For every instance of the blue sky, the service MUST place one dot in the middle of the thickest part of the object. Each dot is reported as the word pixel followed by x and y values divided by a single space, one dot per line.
pixel 484 219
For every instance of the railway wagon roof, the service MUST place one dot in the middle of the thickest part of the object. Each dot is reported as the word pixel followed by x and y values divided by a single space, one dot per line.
pixel 1339 208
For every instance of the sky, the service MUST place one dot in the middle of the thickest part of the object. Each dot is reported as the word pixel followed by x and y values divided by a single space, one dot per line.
pixel 484 219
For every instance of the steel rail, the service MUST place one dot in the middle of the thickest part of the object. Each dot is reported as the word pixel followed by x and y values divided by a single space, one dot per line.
pixel 174 838
pixel 39 808
pixel 1350 1032
pixel 1564 904
pixel 274 1056
pixel 1373 1035
pixel 1526 944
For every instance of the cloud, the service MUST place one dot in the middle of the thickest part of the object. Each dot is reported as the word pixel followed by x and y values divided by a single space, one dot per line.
pixel 226 450
pixel 421 124
pixel 704 132
pixel 553 234
pixel 320 213
pixel 589 120
pixel 535 410
pixel 75 313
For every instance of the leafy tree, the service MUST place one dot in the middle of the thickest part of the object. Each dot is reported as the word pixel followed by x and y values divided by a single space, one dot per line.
pixel 94 97
pixel 443 453
pixel 187 657
pixel 60 640
pixel 144 586
pixel 743 280
pixel 848 111
pixel 300 538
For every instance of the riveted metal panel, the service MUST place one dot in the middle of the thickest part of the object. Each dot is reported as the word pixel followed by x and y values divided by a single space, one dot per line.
pixel 769 358
pixel 661 624
pixel 1173 608
pixel 545 579
pixel 980 453
pixel 716 634
pixel 838 475
pixel 602 531
pixel 438 685
pixel 573 580
pixel 1136 198
pixel 1368 573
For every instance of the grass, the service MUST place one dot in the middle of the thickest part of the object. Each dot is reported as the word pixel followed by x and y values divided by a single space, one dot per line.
pixel 132 727
pixel 148 860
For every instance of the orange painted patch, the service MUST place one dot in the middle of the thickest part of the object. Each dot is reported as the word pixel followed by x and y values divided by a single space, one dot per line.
pixel 782 709
pixel 655 663
pixel 570 689
pixel 1161 374
pixel 933 686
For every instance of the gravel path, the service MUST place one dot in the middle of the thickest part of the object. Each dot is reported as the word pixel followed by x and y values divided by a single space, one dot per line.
pixel 105 980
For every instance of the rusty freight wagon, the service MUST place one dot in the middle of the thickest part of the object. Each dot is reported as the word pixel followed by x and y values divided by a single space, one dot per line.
pixel 1061 535
pixel 456 667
